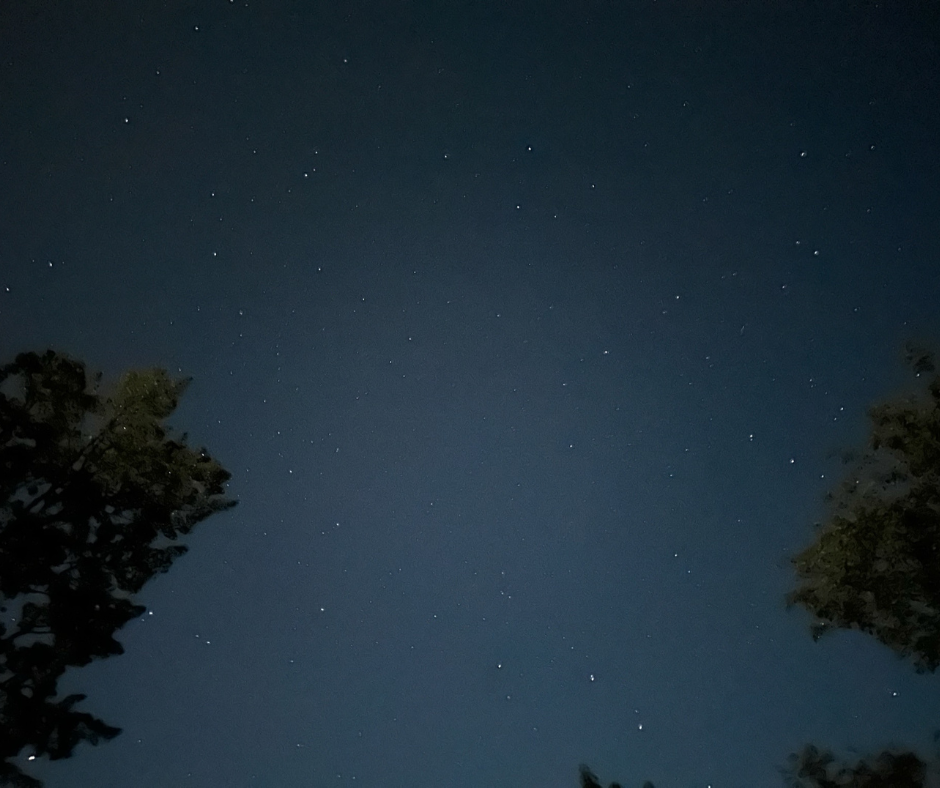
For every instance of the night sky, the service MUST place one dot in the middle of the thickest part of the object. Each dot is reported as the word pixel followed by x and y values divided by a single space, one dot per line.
pixel 527 330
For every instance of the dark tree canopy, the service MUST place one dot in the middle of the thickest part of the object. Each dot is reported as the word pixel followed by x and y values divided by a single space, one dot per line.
pixel 589 779
pixel 875 564
pixel 95 496
pixel 814 768
pixel 875 567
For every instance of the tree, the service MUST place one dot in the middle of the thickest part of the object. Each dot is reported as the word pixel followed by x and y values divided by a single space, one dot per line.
pixel 814 768
pixel 589 779
pixel 875 567
pixel 875 564
pixel 95 496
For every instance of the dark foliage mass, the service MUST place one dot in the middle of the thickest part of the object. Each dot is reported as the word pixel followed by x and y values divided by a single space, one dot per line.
pixel 589 779
pixel 95 496
pixel 814 768
pixel 875 567
pixel 875 564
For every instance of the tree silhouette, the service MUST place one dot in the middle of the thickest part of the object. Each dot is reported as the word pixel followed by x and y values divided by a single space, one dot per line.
pixel 814 768
pixel 95 496
pixel 875 567
pixel 589 779
pixel 875 564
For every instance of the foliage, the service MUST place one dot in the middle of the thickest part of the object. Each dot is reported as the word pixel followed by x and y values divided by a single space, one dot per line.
pixel 814 768
pixel 94 499
pixel 875 564
pixel 589 779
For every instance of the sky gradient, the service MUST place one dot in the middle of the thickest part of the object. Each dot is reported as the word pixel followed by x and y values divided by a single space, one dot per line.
pixel 527 331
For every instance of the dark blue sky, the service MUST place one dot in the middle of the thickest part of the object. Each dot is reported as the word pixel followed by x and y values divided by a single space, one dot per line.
pixel 525 329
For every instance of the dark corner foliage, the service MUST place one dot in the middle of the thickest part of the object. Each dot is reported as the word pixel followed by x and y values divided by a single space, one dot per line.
pixel 875 563
pixel 95 496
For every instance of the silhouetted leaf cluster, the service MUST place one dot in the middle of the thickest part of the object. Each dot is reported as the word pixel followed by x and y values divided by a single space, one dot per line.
pixel 94 498
pixel 875 564
pixel 815 768
pixel 589 779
